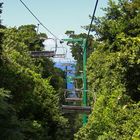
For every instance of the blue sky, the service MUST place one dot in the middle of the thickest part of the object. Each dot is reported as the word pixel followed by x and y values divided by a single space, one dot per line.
pixel 57 15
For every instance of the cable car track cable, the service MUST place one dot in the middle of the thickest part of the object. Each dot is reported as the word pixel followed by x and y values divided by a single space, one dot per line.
pixel 93 16
pixel 38 20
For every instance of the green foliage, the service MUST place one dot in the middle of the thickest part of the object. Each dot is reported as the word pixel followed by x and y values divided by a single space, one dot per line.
pixel 34 102
pixel 114 76
pixel 116 111
pixel 76 49
pixel 10 128
pixel 29 36
pixel 116 20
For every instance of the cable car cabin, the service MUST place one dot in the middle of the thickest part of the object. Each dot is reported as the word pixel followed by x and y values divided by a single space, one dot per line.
pixel 73 65
pixel 59 56
pixel 73 90
pixel 76 109
pixel 74 77
pixel 70 71
pixel 73 99
pixel 72 96
pixel 37 54
pixel 66 64
pixel 60 52
pixel 78 90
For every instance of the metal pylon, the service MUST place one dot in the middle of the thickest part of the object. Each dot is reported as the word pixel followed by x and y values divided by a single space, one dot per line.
pixel 84 108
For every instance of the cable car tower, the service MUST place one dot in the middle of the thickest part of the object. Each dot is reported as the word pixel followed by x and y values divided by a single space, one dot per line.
pixel 84 109
pixel 55 52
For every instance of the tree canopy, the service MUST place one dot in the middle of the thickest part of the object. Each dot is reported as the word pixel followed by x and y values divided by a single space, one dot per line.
pixel 31 89
pixel 25 92
pixel 114 75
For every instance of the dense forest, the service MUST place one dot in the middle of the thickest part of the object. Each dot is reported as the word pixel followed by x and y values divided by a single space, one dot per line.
pixel 31 90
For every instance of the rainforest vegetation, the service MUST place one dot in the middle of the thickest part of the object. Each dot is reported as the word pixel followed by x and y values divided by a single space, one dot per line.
pixel 31 89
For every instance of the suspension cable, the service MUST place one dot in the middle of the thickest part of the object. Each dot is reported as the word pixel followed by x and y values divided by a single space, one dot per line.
pixel 39 20
pixel 93 16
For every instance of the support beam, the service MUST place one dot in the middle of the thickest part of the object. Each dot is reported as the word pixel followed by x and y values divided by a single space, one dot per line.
pixel 84 46
pixel 76 109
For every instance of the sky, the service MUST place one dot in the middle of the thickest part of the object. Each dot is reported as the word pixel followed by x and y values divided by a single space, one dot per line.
pixel 57 15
